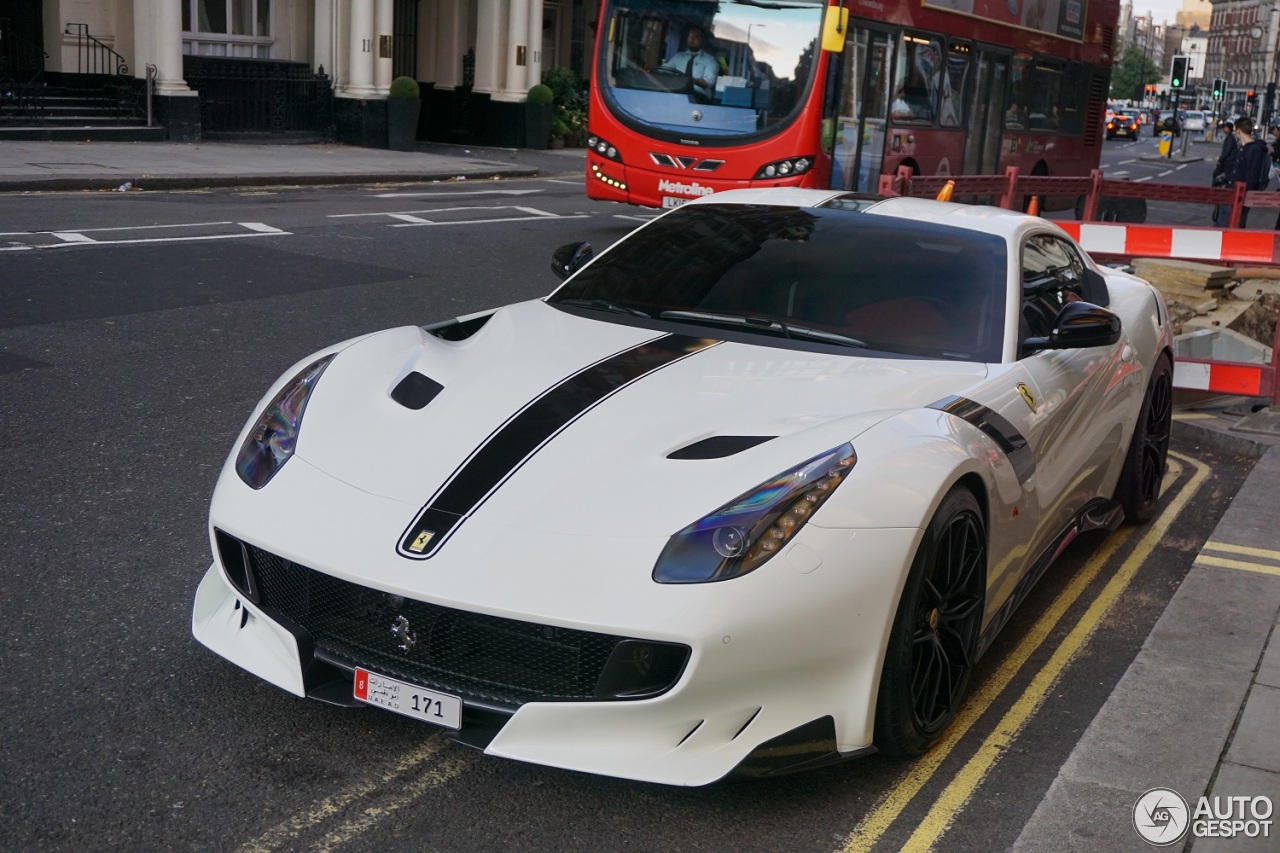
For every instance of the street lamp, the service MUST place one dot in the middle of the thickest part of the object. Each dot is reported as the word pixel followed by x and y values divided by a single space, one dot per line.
pixel 747 52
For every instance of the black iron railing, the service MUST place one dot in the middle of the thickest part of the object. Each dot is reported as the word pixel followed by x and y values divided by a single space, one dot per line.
pixel 94 57
pixel 21 76
pixel 260 96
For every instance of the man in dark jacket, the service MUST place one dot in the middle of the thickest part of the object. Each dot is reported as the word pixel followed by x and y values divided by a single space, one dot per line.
pixel 1249 165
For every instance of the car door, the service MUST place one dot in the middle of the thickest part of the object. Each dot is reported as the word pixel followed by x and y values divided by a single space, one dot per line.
pixel 1058 401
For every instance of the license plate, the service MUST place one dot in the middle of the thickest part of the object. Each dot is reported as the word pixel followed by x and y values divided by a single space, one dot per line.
pixel 672 201
pixel 409 699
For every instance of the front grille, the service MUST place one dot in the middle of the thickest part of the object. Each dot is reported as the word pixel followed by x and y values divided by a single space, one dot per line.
pixel 502 661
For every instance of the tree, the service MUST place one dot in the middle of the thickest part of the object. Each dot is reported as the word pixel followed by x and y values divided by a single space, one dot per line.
pixel 1133 72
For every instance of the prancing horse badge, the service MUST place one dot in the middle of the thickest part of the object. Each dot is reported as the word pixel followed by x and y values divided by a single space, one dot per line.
pixel 1026 396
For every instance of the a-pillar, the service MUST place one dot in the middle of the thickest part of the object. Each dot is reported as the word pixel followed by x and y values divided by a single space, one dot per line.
pixel 157 40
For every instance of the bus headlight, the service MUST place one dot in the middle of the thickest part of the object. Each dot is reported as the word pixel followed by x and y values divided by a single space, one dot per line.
pixel 784 168
pixel 604 148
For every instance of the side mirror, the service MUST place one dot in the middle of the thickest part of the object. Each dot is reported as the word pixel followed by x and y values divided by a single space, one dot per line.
pixel 1079 325
pixel 570 258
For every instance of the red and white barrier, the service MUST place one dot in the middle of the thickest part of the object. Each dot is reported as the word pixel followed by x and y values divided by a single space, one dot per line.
pixel 1219 245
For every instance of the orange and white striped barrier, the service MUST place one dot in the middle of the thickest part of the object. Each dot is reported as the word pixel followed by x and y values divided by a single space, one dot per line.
pixel 1163 241
pixel 1233 378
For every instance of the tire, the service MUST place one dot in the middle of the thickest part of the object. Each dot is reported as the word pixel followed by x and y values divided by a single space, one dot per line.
pixel 935 633
pixel 1138 490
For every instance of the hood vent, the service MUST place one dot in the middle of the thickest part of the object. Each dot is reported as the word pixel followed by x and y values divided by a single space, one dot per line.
pixel 415 391
pixel 719 446
pixel 457 330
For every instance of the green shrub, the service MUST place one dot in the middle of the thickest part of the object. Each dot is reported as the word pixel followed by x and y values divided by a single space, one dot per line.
pixel 404 87
pixel 564 85
pixel 540 94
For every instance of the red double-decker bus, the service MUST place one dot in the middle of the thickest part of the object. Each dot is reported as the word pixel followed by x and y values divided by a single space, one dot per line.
pixel 693 96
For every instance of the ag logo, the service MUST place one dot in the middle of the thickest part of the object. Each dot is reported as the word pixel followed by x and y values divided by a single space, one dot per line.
pixel 1161 816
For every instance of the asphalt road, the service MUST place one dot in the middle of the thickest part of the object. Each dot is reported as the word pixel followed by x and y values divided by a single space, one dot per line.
pixel 137 333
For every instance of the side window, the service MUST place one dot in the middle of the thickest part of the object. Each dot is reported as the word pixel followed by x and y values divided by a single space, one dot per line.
pixel 1052 274
pixel 920 73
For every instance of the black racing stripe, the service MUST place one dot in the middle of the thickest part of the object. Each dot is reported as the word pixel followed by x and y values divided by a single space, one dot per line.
pixel 520 437
pixel 1001 431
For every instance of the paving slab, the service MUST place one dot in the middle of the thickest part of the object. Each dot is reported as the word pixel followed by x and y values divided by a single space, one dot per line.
pixel 1236 781
pixel 1269 670
pixel 1256 742
pixel 1220 617
pixel 1164 725
pixel 1084 816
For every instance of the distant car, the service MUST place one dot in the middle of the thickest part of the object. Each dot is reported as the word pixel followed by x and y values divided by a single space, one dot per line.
pixel 752 491
pixel 1166 120
pixel 1122 124
pixel 1193 120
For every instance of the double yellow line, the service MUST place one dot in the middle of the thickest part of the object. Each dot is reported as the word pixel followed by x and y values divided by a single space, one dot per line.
pixel 957 793
pixel 1265 561
pixel 408 779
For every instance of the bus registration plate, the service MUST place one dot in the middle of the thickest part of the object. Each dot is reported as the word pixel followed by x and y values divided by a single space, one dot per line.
pixel 673 201
pixel 418 702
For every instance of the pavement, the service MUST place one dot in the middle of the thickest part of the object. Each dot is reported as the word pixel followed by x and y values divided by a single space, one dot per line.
pixel 1198 710
pixel 69 166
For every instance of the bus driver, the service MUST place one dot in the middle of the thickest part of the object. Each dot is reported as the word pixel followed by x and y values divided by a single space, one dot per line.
pixel 700 67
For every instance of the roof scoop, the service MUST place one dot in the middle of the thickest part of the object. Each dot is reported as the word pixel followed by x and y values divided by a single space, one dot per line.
pixel 416 390
pixel 719 446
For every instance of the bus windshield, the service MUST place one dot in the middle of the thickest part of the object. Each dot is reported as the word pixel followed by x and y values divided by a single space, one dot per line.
pixel 709 69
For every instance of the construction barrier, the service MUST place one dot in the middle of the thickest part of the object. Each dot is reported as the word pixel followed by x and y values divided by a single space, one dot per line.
pixel 1123 242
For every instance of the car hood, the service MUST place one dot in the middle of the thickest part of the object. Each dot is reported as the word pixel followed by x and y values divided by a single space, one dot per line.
pixel 549 421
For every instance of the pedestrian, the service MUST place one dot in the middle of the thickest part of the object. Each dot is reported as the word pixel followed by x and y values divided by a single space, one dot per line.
pixel 1249 164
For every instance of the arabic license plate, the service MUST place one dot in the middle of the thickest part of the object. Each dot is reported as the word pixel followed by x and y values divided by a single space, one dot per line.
pixel 673 201
pixel 411 700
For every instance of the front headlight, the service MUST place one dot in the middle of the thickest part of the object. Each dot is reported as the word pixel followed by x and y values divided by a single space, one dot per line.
pixel 274 436
pixel 741 535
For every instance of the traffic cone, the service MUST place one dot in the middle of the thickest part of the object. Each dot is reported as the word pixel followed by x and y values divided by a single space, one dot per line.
pixel 1033 209
pixel 944 194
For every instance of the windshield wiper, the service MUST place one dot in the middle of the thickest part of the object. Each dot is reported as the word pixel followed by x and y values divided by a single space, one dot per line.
pixel 603 305
pixel 763 323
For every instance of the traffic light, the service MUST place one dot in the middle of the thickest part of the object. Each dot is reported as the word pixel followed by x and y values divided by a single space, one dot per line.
pixel 1219 88
pixel 1178 75
pixel 1251 98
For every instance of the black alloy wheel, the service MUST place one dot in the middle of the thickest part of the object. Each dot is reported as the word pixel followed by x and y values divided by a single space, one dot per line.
pixel 935 634
pixel 1138 490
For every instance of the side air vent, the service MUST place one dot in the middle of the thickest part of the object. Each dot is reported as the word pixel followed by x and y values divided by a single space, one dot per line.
pixel 708 165
pixel 1108 40
pixel 719 446
pixel 416 390
pixel 1093 110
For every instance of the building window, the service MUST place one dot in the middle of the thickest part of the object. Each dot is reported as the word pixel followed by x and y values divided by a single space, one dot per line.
pixel 239 28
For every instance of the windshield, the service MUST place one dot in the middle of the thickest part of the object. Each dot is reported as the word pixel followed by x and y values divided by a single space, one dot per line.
pixel 708 69
pixel 829 275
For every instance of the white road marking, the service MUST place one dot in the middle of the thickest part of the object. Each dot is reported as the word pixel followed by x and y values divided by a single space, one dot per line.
pixel 117 228
pixel 71 237
pixel 1120 174
pixel 1146 178
pixel 455 194
pixel 1183 166
pixel 261 227
pixel 635 217
pixel 1165 172
pixel 412 219
pixel 1126 162
pixel 82 237
pixel 570 183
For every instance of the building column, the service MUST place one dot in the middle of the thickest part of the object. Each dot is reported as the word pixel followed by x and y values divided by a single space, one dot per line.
pixel 384 23
pixel 157 39
pixel 449 37
pixel 534 68
pixel 488 46
pixel 323 49
pixel 359 83
pixel 516 85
